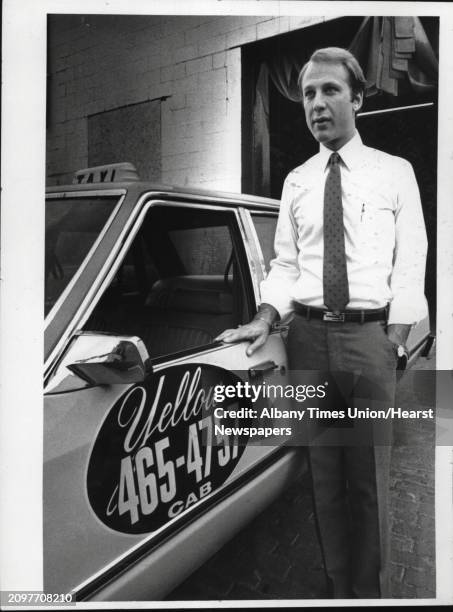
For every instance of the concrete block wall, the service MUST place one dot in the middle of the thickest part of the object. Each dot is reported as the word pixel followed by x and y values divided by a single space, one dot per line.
pixel 191 63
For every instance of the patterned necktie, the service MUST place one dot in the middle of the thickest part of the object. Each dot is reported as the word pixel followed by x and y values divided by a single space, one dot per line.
pixel 335 275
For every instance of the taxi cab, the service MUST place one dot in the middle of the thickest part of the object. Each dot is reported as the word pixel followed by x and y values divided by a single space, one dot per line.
pixel 140 488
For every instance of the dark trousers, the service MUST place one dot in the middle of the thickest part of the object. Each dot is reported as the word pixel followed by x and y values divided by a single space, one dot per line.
pixel 349 460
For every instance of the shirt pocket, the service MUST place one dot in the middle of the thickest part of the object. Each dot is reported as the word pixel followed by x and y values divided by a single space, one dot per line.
pixel 375 216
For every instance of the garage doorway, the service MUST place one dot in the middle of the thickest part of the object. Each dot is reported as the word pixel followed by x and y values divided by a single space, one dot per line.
pixel 276 138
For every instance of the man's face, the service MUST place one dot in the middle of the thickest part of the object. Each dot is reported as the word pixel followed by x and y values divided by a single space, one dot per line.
pixel 329 103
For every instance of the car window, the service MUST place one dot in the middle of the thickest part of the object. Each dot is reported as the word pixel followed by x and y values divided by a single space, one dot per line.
pixel 72 226
pixel 203 250
pixel 265 228
pixel 181 282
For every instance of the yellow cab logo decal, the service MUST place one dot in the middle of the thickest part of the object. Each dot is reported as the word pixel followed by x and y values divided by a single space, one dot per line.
pixel 157 454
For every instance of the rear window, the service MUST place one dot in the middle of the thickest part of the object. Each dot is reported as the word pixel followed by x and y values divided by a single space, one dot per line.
pixel 265 226
pixel 72 227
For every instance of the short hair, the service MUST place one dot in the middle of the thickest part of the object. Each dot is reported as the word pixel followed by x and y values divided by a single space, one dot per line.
pixel 337 55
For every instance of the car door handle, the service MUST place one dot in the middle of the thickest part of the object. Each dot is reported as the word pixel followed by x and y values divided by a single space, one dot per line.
pixel 260 369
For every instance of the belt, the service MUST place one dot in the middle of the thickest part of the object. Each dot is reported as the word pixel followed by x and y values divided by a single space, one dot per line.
pixel 360 316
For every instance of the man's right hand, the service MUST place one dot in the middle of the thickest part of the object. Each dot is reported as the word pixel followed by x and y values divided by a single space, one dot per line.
pixel 256 331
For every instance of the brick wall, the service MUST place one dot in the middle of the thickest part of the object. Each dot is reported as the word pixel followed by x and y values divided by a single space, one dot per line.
pixel 193 63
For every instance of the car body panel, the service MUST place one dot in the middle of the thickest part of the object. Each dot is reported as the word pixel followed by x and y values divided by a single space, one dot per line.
pixel 70 522
pixel 160 570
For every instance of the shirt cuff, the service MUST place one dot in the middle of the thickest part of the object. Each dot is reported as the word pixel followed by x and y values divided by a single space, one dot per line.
pixel 407 312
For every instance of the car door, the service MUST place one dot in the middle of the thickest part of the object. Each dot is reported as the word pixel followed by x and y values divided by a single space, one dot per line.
pixel 127 462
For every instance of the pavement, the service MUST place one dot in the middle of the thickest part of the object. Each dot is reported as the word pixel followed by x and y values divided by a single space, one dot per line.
pixel 277 555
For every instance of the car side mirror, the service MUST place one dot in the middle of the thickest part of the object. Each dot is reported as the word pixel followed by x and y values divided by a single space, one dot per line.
pixel 95 358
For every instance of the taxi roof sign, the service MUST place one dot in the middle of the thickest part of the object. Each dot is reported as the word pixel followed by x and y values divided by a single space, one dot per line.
pixel 109 173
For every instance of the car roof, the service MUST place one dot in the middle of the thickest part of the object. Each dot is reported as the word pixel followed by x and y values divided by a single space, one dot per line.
pixel 168 191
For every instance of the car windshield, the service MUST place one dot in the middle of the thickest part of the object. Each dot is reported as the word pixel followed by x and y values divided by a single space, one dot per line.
pixel 72 227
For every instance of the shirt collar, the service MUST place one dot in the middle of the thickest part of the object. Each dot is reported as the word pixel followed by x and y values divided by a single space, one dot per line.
pixel 351 153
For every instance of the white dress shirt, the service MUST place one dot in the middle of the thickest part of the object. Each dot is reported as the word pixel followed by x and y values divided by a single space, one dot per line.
pixel 385 237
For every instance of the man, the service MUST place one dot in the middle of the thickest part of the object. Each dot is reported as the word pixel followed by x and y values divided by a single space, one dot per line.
pixel 350 251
